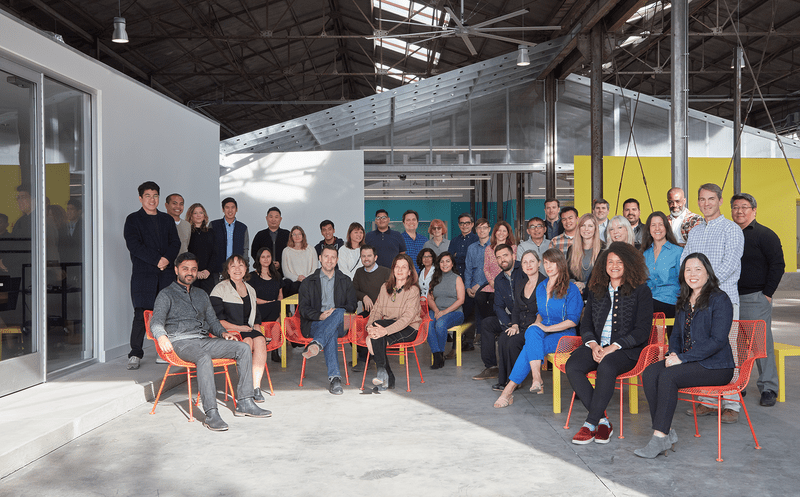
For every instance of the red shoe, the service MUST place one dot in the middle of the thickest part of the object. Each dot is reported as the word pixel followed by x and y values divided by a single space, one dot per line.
pixel 603 433
pixel 584 436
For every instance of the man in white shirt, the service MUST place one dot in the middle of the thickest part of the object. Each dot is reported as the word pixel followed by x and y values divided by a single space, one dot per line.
pixel 681 219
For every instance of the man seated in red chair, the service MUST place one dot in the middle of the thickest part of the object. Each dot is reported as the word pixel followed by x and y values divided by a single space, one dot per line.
pixel 182 319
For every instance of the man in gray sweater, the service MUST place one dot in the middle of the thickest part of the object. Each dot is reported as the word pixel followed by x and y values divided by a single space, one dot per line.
pixel 182 319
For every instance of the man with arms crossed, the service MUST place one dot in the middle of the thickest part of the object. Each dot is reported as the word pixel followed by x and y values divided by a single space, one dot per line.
pixel 762 270
pixel 182 319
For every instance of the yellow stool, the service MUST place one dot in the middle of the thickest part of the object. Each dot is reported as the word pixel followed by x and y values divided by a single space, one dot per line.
pixel 782 351
pixel 14 330
pixel 556 383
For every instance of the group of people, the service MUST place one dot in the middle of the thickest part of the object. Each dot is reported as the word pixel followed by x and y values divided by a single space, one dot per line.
pixel 704 271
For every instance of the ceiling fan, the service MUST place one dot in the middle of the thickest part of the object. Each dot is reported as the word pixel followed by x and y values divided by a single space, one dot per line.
pixel 464 31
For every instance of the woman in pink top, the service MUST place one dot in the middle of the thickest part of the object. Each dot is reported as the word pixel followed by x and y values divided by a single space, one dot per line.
pixel 501 234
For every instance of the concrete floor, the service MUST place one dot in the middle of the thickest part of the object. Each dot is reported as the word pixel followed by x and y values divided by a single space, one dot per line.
pixel 443 438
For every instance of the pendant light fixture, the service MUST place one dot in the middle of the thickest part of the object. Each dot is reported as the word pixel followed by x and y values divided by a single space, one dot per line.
pixel 119 36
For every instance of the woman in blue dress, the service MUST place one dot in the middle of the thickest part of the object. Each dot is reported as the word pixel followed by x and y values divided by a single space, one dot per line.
pixel 662 255
pixel 559 305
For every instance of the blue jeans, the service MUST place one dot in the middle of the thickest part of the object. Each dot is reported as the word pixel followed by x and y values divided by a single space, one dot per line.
pixel 537 345
pixel 437 329
pixel 325 333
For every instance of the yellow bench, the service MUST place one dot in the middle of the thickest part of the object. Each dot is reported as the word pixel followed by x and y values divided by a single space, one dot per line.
pixel 14 330
pixel 457 332
pixel 782 351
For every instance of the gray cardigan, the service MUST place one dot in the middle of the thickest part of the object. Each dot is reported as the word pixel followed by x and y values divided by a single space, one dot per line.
pixel 181 314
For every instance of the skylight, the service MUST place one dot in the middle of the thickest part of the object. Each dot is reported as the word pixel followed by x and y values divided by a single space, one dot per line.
pixel 418 12
pixel 412 50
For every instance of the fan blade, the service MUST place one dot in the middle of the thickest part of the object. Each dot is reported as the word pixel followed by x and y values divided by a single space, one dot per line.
pixel 511 28
pixel 453 17
pixel 503 38
pixel 501 18
pixel 409 35
pixel 469 44
pixel 412 23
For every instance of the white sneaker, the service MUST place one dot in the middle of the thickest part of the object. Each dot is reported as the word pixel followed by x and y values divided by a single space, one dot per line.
pixel 133 362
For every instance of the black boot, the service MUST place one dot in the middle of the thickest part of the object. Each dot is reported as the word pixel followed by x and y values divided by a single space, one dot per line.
pixel 438 360
pixel 214 422
pixel 246 407
pixel 391 377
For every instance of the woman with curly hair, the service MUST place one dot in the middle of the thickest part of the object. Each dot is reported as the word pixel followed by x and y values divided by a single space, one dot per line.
pixel 615 327
pixel 445 297
pixel 559 304
pixel 426 259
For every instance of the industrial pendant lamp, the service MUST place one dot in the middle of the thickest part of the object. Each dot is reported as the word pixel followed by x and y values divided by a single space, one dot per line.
pixel 119 36
pixel 522 56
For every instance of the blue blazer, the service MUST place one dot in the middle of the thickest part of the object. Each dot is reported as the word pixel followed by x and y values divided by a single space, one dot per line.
pixel 221 242
pixel 710 328
pixel 504 294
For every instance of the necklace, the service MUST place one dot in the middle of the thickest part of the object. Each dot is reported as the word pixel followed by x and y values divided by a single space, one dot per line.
pixel 586 268
pixel 395 291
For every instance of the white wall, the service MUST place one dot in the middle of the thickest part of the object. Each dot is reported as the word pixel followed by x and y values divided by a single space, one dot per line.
pixel 140 135
pixel 308 187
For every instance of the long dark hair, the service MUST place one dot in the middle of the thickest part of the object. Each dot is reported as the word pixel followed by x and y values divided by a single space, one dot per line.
pixel 561 285
pixel 634 270
pixel 711 286
pixel 273 273
pixel 647 238
pixel 412 278
pixel 437 272
pixel 422 253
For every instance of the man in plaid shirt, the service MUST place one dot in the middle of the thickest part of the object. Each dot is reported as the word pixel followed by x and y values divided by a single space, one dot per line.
pixel 569 220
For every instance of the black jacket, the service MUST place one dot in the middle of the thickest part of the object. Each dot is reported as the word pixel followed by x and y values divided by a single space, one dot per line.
pixel 149 238
pixel 309 298
pixel 630 325
pixel 523 314
pixel 263 239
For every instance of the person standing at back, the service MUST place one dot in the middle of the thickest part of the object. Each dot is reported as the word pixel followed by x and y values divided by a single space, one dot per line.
pixel 230 235
pixel 387 242
pixel 174 207
pixel 153 243
pixel 273 238
pixel 413 240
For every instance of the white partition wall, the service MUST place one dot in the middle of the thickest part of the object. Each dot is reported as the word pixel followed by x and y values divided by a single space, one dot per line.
pixel 307 187
pixel 138 134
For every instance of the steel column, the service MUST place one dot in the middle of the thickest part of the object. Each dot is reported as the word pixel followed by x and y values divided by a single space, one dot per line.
pixel 520 206
pixel 737 119
pixel 679 93
pixel 596 103
pixel 550 96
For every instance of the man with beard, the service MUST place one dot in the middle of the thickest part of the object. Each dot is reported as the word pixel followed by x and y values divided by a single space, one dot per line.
pixel 681 219
pixel 182 319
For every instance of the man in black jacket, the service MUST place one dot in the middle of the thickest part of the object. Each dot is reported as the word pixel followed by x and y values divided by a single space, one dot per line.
pixel 152 240
pixel 323 299
pixel 274 238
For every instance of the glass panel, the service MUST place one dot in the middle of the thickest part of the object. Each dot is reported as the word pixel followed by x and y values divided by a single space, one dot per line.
pixel 67 165
pixel 17 160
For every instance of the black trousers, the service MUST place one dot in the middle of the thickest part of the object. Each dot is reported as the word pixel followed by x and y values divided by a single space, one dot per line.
pixel 407 334
pixel 595 399
pixel 661 386
pixel 137 333
pixel 508 350
pixel 667 309
pixel 490 330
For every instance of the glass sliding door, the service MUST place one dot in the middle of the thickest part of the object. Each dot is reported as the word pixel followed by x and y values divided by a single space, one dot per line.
pixel 67 157
pixel 21 229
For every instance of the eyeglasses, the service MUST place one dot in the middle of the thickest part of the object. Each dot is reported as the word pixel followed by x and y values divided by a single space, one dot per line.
pixel 381 218
pixel 740 208
pixel 464 223
pixel 436 228
pixel 536 227
pixel 427 257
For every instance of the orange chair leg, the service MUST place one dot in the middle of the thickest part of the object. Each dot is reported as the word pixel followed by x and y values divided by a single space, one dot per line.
pixel 408 375
pixel 694 412
pixel 303 372
pixel 189 383
pixel 346 374
pixel 269 380
pixel 364 377
pixel 621 388
pixel 421 379
pixel 719 429
pixel 741 399
pixel 566 426
pixel 158 396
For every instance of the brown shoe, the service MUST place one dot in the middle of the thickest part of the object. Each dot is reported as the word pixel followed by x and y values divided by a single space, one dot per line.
pixel 487 374
pixel 702 410
pixel 730 416
pixel 451 354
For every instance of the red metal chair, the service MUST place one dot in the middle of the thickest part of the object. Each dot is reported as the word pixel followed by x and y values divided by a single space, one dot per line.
pixel 272 329
pixel 748 341
pixel 173 360
pixel 358 332
pixel 653 352
pixel 292 334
